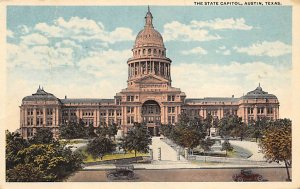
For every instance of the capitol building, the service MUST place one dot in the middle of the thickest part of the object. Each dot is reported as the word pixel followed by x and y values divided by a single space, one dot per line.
pixel 149 97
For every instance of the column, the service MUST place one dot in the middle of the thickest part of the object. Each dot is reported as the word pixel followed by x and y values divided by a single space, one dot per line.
pixel 128 70
pixel 44 116
pixel 139 69
pixel 178 153
pixel 176 114
pixel 78 113
pixel 159 68
pixel 153 67
pixel 115 116
pixel 255 112
pixel 34 117
pixel 26 113
pixel 95 118
pixel 146 67
pixel 98 116
pixel 159 154
pixel 106 117
pixel 186 153
pixel 55 116
pixel 165 72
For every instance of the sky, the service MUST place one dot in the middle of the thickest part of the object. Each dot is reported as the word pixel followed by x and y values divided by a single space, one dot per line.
pixel 81 51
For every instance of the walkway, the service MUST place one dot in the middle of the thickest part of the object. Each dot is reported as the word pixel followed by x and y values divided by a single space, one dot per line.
pixel 252 147
pixel 167 152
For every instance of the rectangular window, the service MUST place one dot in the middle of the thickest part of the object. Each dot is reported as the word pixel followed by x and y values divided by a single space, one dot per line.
pixel 119 113
pixel 250 110
pixel 270 110
pixel 49 121
pixel 171 98
pixel 130 119
pixel 111 113
pixel 171 119
pixel 49 111
pixel 171 109
pixel 130 98
pixel 260 110
pixel 130 110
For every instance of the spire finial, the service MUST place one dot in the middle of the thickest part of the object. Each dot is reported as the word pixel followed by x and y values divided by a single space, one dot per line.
pixel 259 84
pixel 39 86
pixel 148 18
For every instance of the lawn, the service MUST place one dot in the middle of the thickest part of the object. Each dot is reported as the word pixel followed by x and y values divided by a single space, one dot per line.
pixel 89 157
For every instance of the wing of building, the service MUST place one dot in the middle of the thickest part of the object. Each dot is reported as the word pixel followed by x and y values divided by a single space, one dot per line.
pixel 149 97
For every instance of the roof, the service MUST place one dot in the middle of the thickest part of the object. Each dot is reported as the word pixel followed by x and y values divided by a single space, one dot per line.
pixel 211 99
pixel 258 93
pixel 149 36
pixel 86 100
pixel 41 94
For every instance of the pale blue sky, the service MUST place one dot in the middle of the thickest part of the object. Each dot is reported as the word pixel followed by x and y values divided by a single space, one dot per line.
pixel 82 51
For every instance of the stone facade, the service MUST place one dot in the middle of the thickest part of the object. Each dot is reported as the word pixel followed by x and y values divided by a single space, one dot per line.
pixel 149 97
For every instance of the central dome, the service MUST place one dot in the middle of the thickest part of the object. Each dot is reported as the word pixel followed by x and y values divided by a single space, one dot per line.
pixel 149 36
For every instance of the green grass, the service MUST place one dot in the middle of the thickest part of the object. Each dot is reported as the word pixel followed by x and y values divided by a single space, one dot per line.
pixel 89 157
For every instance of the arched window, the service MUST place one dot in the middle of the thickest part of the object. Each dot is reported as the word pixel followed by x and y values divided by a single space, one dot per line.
pixel 144 51
pixel 158 52
pixel 163 53
pixel 139 52
pixel 154 51
pixel 149 51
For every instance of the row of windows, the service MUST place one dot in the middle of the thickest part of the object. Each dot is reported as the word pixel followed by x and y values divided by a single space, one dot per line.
pixel 171 98
pixel 150 51
pixel 49 111
pixel 260 110
pixel 130 98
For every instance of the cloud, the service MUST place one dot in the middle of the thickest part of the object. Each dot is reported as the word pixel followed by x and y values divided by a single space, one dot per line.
pixel 223 50
pixel 38 57
pixel 23 29
pixel 222 24
pixel 223 80
pixel 182 32
pixel 9 33
pixel 201 30
pixel 265 48
pixel 34 39
pixel 106 63
pixel 195 51
pixel 83 29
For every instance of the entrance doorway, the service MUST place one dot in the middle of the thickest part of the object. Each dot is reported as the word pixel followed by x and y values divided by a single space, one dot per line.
pixel 151 116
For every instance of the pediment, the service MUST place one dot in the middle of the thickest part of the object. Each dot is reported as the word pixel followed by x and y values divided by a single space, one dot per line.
pixel 151 80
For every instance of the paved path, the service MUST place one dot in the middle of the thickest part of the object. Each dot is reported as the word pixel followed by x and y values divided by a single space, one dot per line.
pixel 167 152
pixel 252 147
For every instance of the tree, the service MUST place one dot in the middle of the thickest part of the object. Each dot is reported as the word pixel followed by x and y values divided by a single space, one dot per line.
pixel 112 130
pixel 42 136
pixel 207 144
pixel 188 132
pixel 256 128
pixel 276 143
pixel 226 146
pixel 14 143
pixel 240 130
pixel 90 131
pixel 167 130
pixel 44 162
pixel 208 123
pixel 99 146
pixel 137 139
pixel 72 130
pixel 231 125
